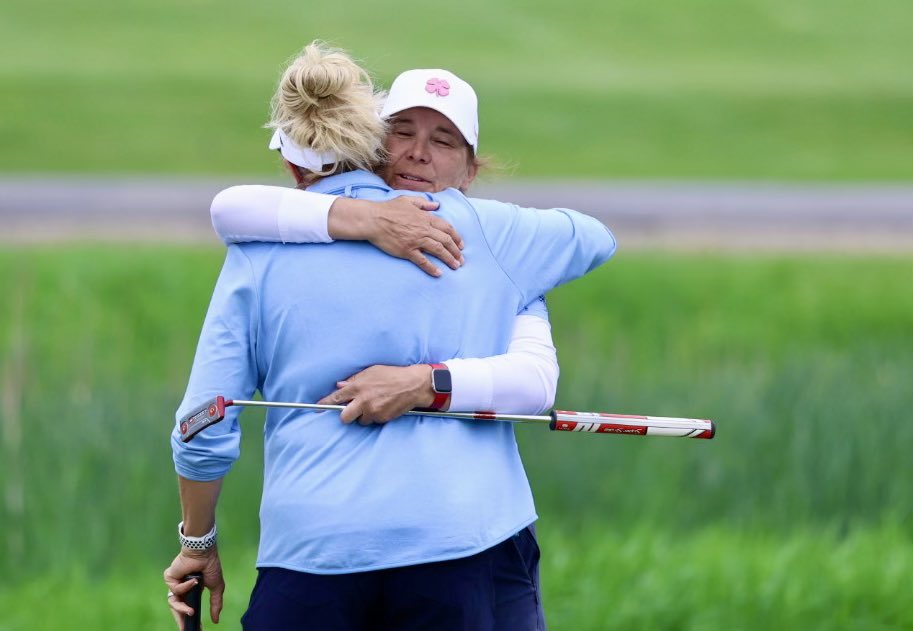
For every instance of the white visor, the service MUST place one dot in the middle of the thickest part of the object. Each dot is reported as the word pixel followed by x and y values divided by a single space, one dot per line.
pixel 300 156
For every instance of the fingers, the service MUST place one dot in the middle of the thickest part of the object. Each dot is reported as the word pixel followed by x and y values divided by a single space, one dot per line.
pixel 182 588
pixel 443 247
pixel 330 399
pixel 423 204
pixel 215 602
pixel 178 606
pixel 352 412
pixel 341 396
pixel 448 237
pixel 348 395
pixel 179 609
pixel 360 412
pixel 443 226
pixel 179 588
pixel 423 263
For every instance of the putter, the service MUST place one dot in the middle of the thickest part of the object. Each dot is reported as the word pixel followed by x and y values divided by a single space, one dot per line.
pixel 213 411
pixel 194 598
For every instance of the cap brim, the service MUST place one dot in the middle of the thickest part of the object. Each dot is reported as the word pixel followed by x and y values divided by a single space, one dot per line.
pixel 388 115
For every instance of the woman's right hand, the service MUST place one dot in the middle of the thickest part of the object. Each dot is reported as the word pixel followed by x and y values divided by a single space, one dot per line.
pixel 401 227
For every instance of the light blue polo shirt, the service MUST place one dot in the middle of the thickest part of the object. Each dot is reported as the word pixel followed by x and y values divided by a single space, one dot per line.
pixel 291 320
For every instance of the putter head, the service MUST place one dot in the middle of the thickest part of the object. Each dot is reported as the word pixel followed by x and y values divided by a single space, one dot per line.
pixel 202 417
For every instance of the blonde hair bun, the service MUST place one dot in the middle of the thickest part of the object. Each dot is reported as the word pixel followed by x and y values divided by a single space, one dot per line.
pixel 317 75
pixel 326 102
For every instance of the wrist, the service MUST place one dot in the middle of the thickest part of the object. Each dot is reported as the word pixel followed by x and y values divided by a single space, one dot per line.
pixel 195 545
pixel 350 219
pixel 424 393
pixel 189 553
pixel 441 386
pixel 197 525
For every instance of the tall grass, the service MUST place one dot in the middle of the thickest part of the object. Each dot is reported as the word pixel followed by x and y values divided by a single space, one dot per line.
pixel 804 363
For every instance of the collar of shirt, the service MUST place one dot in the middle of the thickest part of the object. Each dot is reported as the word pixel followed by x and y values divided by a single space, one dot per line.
pixel 344 182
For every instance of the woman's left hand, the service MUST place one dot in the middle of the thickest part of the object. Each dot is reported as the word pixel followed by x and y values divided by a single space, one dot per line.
pixel 381 393
pixel 401 227
pixel 186 562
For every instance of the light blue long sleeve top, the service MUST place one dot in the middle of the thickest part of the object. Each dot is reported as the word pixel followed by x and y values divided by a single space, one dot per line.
pixel 291 320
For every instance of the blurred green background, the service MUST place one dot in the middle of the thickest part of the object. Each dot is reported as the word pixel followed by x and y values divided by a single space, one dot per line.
pixel 753 89
pixel 796 517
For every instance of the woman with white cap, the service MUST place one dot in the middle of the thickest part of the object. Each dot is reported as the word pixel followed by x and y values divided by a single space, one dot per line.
pixel 446 546
pixel 431 144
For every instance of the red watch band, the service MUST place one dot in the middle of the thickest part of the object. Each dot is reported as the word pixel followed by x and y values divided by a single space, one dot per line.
pixel 440 398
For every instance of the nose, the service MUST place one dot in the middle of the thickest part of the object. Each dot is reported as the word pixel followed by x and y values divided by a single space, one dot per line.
pixel 419 151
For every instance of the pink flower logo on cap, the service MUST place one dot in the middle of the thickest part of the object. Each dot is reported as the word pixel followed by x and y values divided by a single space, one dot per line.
pixel 437 86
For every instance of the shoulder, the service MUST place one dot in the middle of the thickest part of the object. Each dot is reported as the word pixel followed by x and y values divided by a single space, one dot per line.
pixel 488 212
pixel 451 196
pixel 492 205
pixel 253 255
pixel 456 208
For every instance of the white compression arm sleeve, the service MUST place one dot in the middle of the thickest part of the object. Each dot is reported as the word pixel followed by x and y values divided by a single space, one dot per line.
pixel 521 381
pixel 271 213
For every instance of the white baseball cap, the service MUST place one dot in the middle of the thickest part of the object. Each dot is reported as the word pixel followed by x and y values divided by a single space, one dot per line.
pixel 298 155
pixel 439 90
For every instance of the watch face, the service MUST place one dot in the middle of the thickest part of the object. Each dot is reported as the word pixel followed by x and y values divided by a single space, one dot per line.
pixel 440 380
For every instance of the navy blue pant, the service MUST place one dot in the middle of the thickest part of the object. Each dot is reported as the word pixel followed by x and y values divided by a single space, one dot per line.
pixel 495 590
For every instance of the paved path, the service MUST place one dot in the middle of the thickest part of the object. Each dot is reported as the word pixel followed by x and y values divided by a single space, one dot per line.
pixel 669 215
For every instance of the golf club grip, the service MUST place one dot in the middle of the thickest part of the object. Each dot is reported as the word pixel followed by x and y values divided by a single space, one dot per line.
pixel 603 423
pixel 194 599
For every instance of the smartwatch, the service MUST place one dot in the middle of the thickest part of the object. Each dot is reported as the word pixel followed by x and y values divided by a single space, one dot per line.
pixel 441 384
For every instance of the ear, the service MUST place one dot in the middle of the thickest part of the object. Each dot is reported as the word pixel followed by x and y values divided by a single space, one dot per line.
pixel 470 174
pixel 295 171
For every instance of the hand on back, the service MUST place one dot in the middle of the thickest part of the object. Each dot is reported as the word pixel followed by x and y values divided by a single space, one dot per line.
pixel 379 394
pixel 402 227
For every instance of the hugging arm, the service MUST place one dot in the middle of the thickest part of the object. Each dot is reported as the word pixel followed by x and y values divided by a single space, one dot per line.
pixel 523 380
pixel 538 250
pixel 400 227
pixel 542 249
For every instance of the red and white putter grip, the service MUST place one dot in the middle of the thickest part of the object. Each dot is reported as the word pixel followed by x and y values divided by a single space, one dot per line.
pixel 202 417
pixel 603 423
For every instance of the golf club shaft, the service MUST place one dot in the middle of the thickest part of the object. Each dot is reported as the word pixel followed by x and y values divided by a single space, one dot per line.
pixel 558 420
pixel 468 416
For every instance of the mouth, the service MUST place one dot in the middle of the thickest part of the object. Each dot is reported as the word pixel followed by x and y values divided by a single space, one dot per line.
pixel 406 180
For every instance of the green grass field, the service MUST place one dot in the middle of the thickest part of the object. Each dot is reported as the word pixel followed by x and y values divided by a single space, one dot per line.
pixel 593 580
pixel 796 517
pixel 750 89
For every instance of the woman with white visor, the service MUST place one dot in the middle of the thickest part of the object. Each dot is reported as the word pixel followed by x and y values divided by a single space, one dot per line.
pixel 432 144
